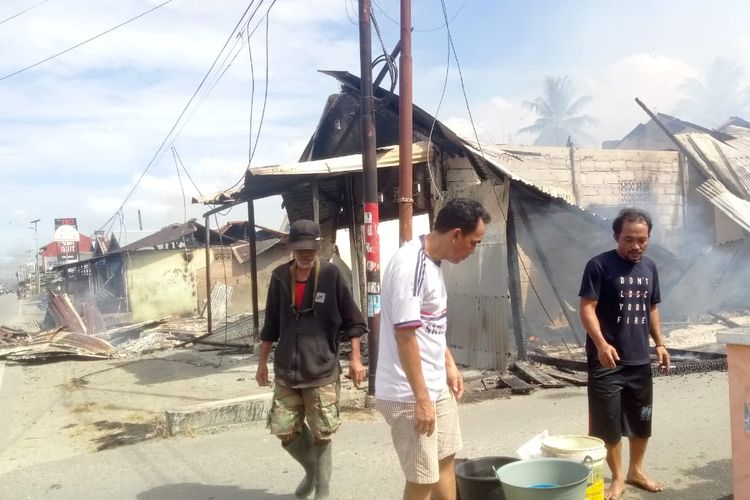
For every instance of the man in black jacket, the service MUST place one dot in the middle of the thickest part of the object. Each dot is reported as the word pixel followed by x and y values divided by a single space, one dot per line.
pixel 308 308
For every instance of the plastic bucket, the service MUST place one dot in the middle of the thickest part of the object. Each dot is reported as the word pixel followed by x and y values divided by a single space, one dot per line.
pixel 476 479
pixel 579 448
pixel 544 479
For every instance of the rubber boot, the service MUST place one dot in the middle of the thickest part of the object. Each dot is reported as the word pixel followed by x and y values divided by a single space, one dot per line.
pixel 323 470
pixel 303 450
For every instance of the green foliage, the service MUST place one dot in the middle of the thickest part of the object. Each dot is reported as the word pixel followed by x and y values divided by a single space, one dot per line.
pixel 559 115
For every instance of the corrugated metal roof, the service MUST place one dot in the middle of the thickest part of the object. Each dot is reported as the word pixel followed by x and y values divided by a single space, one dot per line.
pixel 64 313
pixel 733 206
pixel 728 162
pixel 241 251
pixel 386 157
pixel 264 181
pixel 177 232
pixel 496 156
pixel 726 165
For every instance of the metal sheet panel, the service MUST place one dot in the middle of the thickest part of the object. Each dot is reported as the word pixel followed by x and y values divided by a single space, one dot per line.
pixel 64 313
pixel 733 206
pixel 729 162
pixel 478 308
pixel 478 301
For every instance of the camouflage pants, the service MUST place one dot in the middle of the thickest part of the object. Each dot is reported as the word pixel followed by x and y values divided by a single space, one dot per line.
pixel 319 405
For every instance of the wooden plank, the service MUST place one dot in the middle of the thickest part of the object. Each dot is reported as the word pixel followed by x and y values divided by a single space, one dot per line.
pixel 570 364
pixel 490 383
pixel 575 378
pixel 536 375
pixel 517 386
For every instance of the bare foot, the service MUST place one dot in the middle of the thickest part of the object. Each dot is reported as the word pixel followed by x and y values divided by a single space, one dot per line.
pixel 642 481
pixel 615 490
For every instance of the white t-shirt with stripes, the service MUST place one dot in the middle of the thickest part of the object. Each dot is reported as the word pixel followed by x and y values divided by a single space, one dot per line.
pixel 413 295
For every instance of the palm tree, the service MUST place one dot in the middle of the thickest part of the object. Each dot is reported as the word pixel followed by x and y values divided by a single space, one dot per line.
pixel 559 120
pixel 717 98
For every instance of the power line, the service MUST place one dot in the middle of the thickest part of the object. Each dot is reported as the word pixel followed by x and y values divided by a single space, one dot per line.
pixel 252 99
pixel 182 188
pixel 422 30
pixel 179 159
pixel 434 122
pixel 461 78
pixel 452 48
pixel 254 146
pixel 23 12
pixel 348 14
pixel 84 42
pixel 171 134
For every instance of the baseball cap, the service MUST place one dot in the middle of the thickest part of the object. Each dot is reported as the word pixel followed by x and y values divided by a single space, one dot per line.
pixel 304 235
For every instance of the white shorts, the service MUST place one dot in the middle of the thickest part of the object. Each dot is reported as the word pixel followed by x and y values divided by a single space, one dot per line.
pixel 419 454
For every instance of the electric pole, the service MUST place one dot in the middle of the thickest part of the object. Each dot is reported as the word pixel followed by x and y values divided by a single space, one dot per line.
pixel 371 209
pixel 405 133
pixel 36 257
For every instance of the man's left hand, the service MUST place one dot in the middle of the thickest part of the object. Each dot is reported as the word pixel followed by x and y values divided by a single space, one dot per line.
pixel 455 381
pixel 357 372
pixel 665 359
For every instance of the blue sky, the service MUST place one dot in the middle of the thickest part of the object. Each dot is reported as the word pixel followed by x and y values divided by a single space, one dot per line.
pixel 76 132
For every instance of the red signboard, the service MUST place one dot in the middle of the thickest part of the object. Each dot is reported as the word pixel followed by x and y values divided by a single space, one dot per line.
pixel 66 221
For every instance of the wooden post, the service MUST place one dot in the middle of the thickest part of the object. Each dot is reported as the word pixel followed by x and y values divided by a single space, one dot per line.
pixel 253 267
pixel 514 283
pixel 208 278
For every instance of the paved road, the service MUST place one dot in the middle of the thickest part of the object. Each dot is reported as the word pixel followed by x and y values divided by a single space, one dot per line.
pixel 690 452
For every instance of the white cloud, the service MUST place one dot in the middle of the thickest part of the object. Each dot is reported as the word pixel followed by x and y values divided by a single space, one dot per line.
pixel 76 132
pixel 653 79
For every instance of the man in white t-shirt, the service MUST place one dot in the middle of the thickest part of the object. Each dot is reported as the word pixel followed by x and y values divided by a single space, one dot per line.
pixel 417 382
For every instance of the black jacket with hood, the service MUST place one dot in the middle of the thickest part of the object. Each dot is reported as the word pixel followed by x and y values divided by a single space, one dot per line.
pixel 307 350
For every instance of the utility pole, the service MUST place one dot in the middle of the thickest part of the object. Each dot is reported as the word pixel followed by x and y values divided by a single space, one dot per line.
pixel 371 209
pixel 36 257
pixel 405 133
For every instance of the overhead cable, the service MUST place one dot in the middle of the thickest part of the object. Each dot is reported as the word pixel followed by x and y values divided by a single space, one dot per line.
pixel 182 187
pixel 422 30
pixel 23 12
pixel 254 145
pixel 171 134
pixel 84 42
pixel 461 78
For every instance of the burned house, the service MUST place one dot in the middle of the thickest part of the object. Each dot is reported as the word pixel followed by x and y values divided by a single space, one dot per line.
pixel 551 208
pixel 696 188
pixel 164 274
pixel 327 186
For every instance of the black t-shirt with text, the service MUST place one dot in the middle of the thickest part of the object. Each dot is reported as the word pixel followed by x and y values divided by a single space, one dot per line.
pixel 625 292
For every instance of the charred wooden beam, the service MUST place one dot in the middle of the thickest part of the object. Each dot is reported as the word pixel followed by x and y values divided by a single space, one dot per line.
pixel 689 355
pixel 534 374
pixel 517 386
pixel 572 378
pixel 570 364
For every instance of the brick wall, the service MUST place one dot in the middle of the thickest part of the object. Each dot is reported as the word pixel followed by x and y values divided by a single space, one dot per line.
pixel 608 180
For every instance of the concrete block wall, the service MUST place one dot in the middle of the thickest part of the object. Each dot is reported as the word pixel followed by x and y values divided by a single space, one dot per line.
pixel 607 180
pixel 459 175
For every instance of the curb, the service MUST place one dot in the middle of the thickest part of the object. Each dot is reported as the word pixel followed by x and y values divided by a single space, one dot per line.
pixel 216 415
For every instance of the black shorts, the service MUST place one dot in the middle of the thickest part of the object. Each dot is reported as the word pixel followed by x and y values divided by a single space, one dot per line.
pixel 620 401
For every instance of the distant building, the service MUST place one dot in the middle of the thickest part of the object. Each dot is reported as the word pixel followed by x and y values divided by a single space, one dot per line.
pixel 650 137
pixel 53 253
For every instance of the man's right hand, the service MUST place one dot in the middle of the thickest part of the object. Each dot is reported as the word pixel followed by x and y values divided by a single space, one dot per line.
pixel 261 376
pixel 424 417
pixel 608 356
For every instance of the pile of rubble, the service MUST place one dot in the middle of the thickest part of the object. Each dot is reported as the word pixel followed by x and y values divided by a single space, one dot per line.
pixel 65 333
pixel 53 344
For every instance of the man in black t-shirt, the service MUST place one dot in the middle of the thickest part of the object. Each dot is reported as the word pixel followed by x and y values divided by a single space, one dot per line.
pixel 619 296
